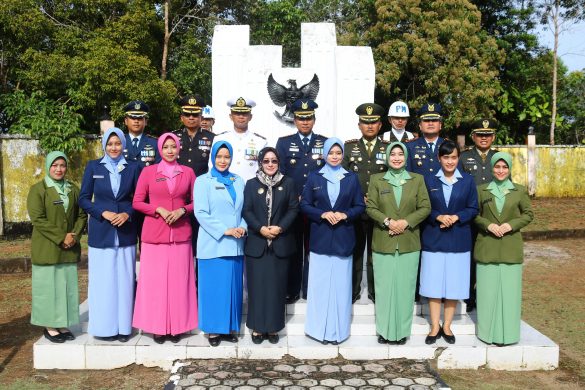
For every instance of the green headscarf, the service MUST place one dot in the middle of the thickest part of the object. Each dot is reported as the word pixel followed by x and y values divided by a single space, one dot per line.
pixel 397 177
pixel 500 188
pixel 62 187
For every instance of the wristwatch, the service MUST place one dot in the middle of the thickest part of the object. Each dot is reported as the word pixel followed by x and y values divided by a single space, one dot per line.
pixel 387 222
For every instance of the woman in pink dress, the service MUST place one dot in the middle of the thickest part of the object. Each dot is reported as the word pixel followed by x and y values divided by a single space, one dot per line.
pixel 166 297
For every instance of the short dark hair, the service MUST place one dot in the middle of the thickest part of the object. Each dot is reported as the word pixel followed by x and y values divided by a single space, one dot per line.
pixel 447 147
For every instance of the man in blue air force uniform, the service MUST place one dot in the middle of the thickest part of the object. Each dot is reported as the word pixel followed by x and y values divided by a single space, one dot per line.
pixel 423 152
pixel 141 148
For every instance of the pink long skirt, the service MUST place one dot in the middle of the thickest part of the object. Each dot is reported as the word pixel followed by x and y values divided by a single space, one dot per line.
pixel 166 296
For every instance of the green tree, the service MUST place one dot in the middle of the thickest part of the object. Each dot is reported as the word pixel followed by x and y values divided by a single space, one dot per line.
pixel 572 108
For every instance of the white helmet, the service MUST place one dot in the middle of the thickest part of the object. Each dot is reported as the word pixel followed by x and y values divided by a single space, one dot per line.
pixel 207 112
pixel 399 109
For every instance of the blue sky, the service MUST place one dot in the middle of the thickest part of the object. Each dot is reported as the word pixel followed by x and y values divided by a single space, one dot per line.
pixel 571 44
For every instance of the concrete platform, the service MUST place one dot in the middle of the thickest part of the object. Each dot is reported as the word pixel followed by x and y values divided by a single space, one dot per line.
pixel 534 352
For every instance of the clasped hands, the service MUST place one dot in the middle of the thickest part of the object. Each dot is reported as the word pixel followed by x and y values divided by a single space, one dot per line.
pixel 270 232
pixel 170 217
pixel 116 219
pixel 69 241
pixel 333 217
pixel 237 232
pixel 396 227
pixel 447 220
pixel 499 230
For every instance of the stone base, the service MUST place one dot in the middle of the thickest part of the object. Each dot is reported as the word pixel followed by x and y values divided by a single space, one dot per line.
pixel 534 351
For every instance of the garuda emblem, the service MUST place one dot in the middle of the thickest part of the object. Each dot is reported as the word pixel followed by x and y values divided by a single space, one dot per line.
pixel 282 96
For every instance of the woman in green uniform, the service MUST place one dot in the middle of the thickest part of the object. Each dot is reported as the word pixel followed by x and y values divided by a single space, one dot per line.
pixel 57 223
pixel 504 209
pixel 397 202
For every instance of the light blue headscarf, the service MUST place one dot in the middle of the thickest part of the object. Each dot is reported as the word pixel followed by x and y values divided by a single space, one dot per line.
pixel 332 174
pixel 114 165
pixel 226 177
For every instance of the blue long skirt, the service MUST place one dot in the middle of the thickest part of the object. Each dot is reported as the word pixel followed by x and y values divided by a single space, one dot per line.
pixel 329 297
pixel 111 290
pixel 220 294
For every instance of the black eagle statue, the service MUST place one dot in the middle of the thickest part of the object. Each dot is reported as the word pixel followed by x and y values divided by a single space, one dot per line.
pixel 282 96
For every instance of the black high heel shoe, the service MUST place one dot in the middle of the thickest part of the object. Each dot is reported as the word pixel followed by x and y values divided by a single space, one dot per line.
pixel 175 338
pixel 257 338
pixel 58 338
pixel 448 338
pixel 214 341
pixel 273 338
pixel 432 339
pixel 231 337
pixel 67 335
pixel 159 339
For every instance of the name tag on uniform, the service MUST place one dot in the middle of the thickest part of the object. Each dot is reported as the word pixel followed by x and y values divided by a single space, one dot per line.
pixel 161 179
pixel 434 189
pixel 384 192
pixel 58 202
pixel 220 188
pixel 316 188
pixel 98 176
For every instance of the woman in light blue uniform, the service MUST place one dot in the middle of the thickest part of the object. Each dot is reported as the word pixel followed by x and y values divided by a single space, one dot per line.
pixel 332 199
pixel 219 197
pixel 106 195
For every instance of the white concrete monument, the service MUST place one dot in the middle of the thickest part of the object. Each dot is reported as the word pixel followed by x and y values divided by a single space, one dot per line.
pixel 346 79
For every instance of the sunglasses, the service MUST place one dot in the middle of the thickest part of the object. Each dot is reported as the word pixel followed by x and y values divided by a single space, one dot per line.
pixel 266 162
pixel 191 115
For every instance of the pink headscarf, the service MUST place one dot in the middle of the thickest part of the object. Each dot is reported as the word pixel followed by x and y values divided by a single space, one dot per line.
pixel 169 169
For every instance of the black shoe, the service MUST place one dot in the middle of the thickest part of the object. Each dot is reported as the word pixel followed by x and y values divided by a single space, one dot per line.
pixel 67 335
pixel 431 339
pixel 273 338
pixel 402 341
pixel 448 338
pixel 123 338
pixel 470 306
pixel 382 340
pixel 107 338
pixel 324 342
pixel 232 338
pixel 58 338
pixel 175 338
pixel 214 341
pixel 290 299
pixel 334 342
pixel 159 339
pixel 257 338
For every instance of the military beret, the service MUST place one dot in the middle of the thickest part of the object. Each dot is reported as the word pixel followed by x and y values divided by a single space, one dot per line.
pixel 304 108
pixel 369 112
pixel 136 109
pixel 430 111
pixel 241 104
pixel 484 126
pixel 191 104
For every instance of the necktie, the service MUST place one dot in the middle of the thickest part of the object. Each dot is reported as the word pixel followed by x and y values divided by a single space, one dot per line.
pixel 369 146
pixel 306 142
pixel 431 146
pixel 135 143
pixel 483 156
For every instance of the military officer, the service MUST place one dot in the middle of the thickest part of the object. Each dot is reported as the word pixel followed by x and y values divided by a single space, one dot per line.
pixel 207 118
pixel 246 144
pixel 141 147
pixel 423 152
pixel 365 156
pixel 300 153
pixel 398 115
pixel 476 159
pixel 195 141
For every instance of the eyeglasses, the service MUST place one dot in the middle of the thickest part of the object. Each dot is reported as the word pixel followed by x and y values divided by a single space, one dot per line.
pixel 266 162
pixel 191 115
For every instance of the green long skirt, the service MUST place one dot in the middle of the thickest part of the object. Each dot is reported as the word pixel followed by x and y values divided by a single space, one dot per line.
pixel 395 282
pixel 55 296
pixel 499 302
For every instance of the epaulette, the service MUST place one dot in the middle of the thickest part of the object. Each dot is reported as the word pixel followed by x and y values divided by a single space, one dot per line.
pixel 178 131
pixel 350 141
pixel 258 135
pixel 467 149
pixel 384 141
pixel 222 133
pixel 151 136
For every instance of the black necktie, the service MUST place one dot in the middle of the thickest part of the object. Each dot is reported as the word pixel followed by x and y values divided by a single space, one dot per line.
pixel 135 143
pixel 431 147
pixel 306 142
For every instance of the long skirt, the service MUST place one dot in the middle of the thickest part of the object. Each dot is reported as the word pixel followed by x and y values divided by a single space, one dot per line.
pixel 267 278
pixel 329 297
pixel 55 297
pixel 166 297
pixel 444 275
pixel 220 294
pixel 395 282
pixel 499 302
pixel 111 290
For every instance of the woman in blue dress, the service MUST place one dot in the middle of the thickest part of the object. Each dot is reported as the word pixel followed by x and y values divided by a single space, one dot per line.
pixel 332 199
pixel 219 197
pixel 106 195
pixel 447 240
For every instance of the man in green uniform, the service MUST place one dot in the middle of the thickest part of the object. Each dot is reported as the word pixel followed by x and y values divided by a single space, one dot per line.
pixel 476 161
pixel 365 156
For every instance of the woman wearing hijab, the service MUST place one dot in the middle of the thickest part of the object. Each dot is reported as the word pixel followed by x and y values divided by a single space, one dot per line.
pixel 504 209
pixel 166 297
pixel 270 208
pixel 220 247
pixel 446 241
pixel 57 223
pixel 332 199
pixel 397 203
pixel 106 195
